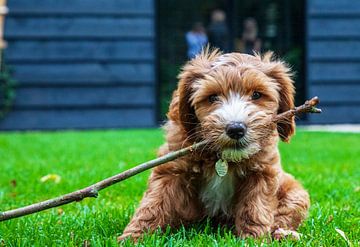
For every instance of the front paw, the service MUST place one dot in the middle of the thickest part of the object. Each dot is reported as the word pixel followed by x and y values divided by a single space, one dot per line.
pixel 281 233
pixel 254 231
pixel 134 237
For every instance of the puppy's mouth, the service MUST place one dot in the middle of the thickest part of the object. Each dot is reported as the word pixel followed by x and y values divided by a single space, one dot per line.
pixel 238 151
pixel 236 145
pixel 240 145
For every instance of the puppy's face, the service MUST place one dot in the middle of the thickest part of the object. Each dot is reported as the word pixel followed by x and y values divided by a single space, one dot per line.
pixel 234 106
pixel 233 101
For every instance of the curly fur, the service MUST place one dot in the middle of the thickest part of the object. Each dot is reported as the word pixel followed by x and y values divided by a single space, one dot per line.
pixel 256 196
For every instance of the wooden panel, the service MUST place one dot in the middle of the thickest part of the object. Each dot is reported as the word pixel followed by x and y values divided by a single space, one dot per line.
pixel 334 6
pixel 334 60
pixel 336 115
pixel 80 6
pixel 334 27
pixel 334 50
pixel 80 27
pixel 81 63
pixel 89 73
pixel 337 72
pixel 84 97
pixel 78 119
pixel 79 50
pixel 339 94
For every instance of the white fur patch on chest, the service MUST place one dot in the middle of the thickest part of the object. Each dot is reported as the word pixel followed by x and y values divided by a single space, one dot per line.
pixel 217 194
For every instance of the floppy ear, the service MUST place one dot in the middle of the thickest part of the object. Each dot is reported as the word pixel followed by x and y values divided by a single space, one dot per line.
pixel 282 74
pixel 195 69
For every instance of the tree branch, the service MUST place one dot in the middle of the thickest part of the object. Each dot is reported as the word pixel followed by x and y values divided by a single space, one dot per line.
pixel 92 190
pixel 307 107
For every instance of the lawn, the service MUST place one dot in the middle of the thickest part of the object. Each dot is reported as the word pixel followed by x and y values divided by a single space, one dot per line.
pixel 327 164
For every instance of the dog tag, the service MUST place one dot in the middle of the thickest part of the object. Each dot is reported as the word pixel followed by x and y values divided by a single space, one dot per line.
pixel 221 167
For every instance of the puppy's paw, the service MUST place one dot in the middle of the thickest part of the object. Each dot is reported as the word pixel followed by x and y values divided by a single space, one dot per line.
pixel 122 238
pixel 133 236
pixel 281 233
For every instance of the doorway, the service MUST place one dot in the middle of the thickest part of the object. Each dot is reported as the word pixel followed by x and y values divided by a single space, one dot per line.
pixel 280 24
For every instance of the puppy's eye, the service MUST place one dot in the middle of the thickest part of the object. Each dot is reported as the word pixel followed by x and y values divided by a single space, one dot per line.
pixel 213 98
pixel 256 95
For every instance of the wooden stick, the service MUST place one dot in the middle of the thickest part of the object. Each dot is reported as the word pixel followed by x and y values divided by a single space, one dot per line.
pixel 307 107
pixel 92 190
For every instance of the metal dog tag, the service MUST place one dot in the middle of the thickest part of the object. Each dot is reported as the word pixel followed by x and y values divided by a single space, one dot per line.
pixel 221 167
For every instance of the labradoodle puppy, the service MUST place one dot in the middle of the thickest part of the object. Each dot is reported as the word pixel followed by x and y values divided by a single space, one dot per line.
pixel 237 179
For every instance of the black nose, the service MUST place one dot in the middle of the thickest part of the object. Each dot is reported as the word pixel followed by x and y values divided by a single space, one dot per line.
pixel 236 130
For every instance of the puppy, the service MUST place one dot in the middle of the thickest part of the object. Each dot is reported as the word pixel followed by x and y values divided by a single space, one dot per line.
pixel 237 179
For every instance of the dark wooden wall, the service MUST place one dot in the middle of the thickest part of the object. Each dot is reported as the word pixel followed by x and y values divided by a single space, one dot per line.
pixel 333 59
pixel 82 64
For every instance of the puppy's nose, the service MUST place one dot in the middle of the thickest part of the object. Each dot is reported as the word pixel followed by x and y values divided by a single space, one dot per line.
pixel 235 130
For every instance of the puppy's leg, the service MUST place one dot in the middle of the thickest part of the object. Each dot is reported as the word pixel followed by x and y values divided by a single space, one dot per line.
pixel 292 209
pixel 255 207
pixel 169 200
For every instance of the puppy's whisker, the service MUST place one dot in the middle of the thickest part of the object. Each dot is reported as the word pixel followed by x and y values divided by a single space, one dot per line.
pixel 203 149
pixel 189 137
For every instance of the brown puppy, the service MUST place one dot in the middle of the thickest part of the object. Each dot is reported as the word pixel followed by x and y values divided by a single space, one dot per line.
pixel 228 100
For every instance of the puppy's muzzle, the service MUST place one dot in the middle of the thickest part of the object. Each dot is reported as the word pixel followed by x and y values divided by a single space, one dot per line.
pixel 236 130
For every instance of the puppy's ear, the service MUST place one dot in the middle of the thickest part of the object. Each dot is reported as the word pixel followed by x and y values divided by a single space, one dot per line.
pixel 195 69
pixel 282 74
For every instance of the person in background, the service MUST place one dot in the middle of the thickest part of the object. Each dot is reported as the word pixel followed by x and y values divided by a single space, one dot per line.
pixel 218 31
pixel 249 42
pixel 196 39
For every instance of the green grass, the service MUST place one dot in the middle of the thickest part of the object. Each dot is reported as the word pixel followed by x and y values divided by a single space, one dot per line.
pixel 328 165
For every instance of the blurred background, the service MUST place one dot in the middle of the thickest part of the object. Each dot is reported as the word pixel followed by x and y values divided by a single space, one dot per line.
pixel 75 64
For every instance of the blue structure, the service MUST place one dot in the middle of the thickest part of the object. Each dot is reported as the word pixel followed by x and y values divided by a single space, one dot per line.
pixel 333 59
pixel 92 64
pixel 82 64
